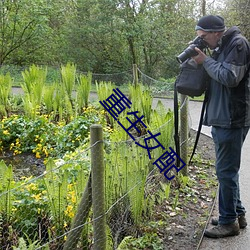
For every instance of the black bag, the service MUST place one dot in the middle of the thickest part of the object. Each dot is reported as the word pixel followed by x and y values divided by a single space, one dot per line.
pixel 192 80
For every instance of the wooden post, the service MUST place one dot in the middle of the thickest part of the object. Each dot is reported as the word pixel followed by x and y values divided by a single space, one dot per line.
pixel 98 196
pixel 135 74
pixel 184 132
pixel 80 218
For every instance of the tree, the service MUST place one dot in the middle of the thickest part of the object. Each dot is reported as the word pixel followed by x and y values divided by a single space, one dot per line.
pixel 237 13
pixel 21 21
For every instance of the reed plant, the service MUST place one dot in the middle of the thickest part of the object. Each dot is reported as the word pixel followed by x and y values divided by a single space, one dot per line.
pixel 141 99
pixel 126 172
pixel 6 184
pixel 62 106
pixel 68 75
pixel 104 90
pixel 83 91
pixel 56 188
pixel 5 90
pixel 162 121
pixel 48 97
pixel 34 80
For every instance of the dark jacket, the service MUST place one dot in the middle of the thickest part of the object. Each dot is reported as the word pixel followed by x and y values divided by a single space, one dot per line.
pixel 228 103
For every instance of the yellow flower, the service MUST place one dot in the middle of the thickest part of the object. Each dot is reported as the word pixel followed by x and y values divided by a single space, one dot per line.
pixel 37 196
pixel 69 211
pixel 45 151
pixel 73 199
pixel 31 187
pixel 38 156
pixel 6 132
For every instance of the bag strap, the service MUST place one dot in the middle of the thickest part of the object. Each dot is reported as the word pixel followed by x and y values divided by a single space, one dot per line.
pixel 176 125
pixel 199 127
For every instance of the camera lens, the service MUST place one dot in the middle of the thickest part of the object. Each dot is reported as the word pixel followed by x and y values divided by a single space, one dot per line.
pixel 187 53
pixel 190 50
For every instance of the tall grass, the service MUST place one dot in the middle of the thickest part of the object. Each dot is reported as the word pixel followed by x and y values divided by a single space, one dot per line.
pixel 33 86
pixel 48 98
pixel 5 90
pixel 128 165
pixel 6 197
pixel 68 74
pixel 141 99
pixel 83 91
pixel 104 90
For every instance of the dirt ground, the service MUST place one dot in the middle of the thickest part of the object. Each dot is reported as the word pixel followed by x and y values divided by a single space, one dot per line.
pixel 186 224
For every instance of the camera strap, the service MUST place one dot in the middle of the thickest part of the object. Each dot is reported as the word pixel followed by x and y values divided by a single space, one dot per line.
pixel 176 125
pixel 199 127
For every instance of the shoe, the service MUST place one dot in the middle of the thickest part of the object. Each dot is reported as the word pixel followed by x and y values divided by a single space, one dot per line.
pixel 221 230
pixel 241 219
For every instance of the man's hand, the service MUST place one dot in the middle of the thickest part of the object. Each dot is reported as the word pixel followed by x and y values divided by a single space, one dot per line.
pixel 200 58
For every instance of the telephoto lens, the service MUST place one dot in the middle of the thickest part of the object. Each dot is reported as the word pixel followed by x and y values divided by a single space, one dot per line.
pixel 190 50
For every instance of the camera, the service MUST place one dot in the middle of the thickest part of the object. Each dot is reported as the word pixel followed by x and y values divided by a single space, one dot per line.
pixel 190 51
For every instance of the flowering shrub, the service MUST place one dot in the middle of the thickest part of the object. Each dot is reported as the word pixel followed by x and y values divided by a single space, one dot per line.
pixel 43 137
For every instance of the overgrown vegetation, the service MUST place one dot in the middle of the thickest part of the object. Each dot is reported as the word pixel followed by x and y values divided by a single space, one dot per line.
pixel 56 128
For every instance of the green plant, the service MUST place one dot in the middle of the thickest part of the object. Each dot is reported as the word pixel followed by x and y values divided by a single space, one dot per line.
pixel 83 91
pixel 104 90
pixel 147 241
pixel 56 187
pixel 6 184
pixel 68 74
pixel 166 188
pixel 34 81
pixel 141 100
pixel 30 207
pixel 5 90
pixel 29 245
pixel 176 199
pixel 162 121
pixel 48 98
pixel 42 136
pixel 183 181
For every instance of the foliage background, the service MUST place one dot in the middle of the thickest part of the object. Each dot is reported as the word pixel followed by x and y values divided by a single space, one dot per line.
pixel 104 36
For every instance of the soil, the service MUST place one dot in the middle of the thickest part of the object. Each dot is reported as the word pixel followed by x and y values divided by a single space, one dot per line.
pixel 187 223
pixel 25 164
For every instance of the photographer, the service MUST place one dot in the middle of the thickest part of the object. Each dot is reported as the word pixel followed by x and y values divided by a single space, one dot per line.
pixel 228 112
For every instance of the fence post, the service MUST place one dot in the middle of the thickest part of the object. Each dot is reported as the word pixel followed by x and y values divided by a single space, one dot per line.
pixel 135 74
pixel 184 132
pixel 98 196
pixel 80 218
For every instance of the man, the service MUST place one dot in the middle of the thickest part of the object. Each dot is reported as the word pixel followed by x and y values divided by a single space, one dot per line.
pixel 228 112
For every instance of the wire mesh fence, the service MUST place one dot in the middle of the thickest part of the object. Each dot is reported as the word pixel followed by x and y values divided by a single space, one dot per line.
pixel 57 209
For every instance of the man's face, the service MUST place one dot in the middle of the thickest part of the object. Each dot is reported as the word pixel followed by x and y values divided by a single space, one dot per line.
pixel 211 38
